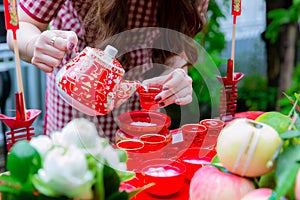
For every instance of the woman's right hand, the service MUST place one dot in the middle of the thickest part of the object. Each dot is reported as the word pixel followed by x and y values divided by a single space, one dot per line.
pixel 50 48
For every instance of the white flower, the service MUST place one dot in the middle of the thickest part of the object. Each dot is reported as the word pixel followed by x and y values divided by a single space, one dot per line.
pixel 42 144
pixel 112 158
pixel 57 139
pixel 66 172
pixel 80 132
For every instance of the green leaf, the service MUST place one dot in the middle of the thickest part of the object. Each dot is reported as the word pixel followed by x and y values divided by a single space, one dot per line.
pixel 296 2
pixel 286 173
pixel 122 155
pixel 118 196
pixel 21 196
pixel 9 184
pixel 99 191
pixel 135 192
pixel 111 181
pixel 268 180
pixel 278 14
pixel 42 187
pixel 290 134
pixel 215 160
pixel 23 161
pixel 125 175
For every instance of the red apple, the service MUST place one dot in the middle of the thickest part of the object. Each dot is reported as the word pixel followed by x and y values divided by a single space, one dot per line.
pixel 209 183
pixel 246 147
pixel 258 194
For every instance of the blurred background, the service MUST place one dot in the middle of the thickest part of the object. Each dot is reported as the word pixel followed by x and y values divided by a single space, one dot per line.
pixel 266 52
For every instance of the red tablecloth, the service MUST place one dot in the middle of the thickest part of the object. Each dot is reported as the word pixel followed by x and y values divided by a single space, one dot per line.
pixel 171 150
pixel 183 194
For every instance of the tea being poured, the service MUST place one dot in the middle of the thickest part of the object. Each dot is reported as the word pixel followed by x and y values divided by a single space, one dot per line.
pixel 92 81
pixel 147 97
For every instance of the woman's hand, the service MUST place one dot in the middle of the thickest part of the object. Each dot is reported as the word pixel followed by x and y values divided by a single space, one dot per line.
pixel 176 86
pixel 50 48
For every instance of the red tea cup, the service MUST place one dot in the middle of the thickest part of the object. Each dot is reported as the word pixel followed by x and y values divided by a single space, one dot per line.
pixel 214 127
pixel 153 142
pixel 193 134
pixel 133 149
pixel 147 97
pixel 131 145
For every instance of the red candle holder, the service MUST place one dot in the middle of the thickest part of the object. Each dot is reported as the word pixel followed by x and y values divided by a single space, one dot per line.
pixel 19 128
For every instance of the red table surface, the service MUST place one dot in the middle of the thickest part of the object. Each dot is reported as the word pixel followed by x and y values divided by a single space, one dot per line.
pixel 183 194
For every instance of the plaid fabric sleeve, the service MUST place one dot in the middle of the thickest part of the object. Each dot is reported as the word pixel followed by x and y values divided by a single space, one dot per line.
pixel 41 10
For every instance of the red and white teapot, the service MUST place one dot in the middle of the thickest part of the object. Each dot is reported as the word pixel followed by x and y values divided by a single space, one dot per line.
pixel 92 81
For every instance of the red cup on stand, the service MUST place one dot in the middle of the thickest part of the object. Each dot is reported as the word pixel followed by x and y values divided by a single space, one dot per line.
pixel 153 142
pixel 130 145
pixel 194 134
pixel 133 149
pixel 147 97
pixel 214 127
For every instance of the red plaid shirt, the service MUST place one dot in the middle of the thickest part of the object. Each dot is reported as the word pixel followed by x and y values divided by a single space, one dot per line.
pixel 67 15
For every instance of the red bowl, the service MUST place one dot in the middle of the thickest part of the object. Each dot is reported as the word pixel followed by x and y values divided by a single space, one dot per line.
pixel 195 158
pixel 167 175
pixel 137 123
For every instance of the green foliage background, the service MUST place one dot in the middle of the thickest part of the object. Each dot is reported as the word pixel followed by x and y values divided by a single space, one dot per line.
pixel 213 41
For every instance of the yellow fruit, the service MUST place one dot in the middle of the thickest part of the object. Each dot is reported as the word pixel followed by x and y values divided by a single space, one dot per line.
pixel 247 148
pixel 276 120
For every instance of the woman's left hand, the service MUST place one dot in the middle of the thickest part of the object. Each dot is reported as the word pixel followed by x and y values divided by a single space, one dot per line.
pixel 176 88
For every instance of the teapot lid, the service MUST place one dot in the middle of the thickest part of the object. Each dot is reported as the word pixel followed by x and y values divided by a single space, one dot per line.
pixel 110 51
pixel 108 57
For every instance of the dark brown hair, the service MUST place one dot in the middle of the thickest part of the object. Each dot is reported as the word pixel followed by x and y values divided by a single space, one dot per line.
pixel 180 15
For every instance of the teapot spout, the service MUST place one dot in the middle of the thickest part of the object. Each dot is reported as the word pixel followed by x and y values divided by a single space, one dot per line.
pixel 125 90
